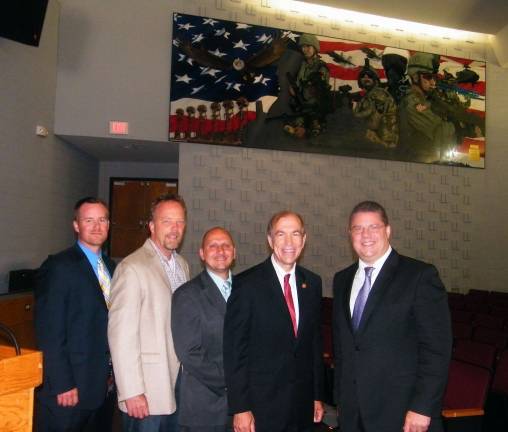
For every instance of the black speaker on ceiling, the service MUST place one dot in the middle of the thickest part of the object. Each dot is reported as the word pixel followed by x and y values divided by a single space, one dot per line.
pixel 22 20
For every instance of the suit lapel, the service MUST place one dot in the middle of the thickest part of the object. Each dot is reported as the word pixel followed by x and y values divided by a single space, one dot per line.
pixel 379 288
pixel 303 292
pixel 87 271
pixel 349 278
pixel 211 293
pixel 155 261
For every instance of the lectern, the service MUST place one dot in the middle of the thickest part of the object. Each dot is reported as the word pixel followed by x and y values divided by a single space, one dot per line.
pixel 19 375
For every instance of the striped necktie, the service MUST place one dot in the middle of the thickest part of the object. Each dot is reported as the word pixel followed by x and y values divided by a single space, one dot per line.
pixel 104 280
pixel 361 299
pixel 226 289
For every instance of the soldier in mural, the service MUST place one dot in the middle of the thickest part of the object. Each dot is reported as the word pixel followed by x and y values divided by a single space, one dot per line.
pixel 426 134
pixel 310 92
pixel 378 108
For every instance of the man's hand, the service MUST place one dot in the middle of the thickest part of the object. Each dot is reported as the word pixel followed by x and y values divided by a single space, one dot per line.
pixel 319 411
pixel 244 422
pixel 416 422
pixel 137 406
pixel 68 398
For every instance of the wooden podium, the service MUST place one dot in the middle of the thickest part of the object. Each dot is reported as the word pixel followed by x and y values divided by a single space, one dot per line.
pixel 19 375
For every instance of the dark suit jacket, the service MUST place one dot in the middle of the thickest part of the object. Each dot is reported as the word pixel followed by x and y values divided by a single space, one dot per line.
pixel 197 321
pixel 71 320
pixel 268 370
pixel 398 359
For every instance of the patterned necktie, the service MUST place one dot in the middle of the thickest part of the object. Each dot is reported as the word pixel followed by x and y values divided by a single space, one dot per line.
pixel 226 289
pixel 104 280
pixel 361 299
pixel 289 301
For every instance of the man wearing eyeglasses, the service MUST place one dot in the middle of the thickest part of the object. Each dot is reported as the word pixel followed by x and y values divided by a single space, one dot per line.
pixel 426 134
pixel 71 318
pixel 392 334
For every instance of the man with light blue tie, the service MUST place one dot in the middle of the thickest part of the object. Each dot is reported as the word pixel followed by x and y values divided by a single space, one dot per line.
pixel 392 334
pixel 197 320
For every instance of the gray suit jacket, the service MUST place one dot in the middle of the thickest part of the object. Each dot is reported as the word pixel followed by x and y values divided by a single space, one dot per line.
pixel 197 321
pixel 140 340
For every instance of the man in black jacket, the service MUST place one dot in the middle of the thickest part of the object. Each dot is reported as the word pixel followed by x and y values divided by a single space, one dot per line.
pixel 392 334
pixel 71 316
pixel 272 338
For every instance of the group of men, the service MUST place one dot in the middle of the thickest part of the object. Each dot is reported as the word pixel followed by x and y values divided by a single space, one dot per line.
pixel 220 352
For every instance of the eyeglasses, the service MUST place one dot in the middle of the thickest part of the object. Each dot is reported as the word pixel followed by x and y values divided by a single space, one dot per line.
pixel 371 229
pixel 429 76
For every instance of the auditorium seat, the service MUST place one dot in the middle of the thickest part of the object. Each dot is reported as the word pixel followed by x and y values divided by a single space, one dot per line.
pixel 461 330
pixel 456 301
pixel 464 400
pixel 461 316
pixel 477 353
pixel 489 321
pixel 498 338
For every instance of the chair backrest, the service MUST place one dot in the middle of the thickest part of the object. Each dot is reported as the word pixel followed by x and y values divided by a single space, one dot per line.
pixel 498 338
pixel 461 330
pixel 500 380
pixel 498 299
pixel 461 316
pixel 487 320
pixel 499 311
pixel 467 386
pixel 326 331
pixel 477 353
pixel 481 295
pixel 456 301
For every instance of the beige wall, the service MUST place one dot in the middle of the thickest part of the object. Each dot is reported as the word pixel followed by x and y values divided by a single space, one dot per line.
pixel 114 64
pixel 40 178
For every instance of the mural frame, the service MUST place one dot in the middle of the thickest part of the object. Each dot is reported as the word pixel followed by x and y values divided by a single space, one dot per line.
pixel 245 85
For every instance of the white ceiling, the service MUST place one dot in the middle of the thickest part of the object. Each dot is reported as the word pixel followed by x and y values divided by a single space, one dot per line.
pixel 482 16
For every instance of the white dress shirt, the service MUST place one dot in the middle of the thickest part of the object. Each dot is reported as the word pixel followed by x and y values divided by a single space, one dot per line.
pixel 360 276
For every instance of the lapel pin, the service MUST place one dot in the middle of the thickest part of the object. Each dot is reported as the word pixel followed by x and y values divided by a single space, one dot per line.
pixel 304 285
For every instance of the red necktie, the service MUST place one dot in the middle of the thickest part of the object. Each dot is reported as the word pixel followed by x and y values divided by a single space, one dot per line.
pixel 289 301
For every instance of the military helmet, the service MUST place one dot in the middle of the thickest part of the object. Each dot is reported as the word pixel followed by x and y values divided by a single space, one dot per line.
pixel 309 39
pixel 368 70
pixel 422 62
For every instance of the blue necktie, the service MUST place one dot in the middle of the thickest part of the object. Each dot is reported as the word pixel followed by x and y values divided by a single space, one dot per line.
pixel 361 299
pixel 226 289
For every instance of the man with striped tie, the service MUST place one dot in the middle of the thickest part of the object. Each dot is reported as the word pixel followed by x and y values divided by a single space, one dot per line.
pixel 71 317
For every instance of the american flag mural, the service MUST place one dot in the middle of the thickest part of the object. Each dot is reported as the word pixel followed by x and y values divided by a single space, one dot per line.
pixel 238 84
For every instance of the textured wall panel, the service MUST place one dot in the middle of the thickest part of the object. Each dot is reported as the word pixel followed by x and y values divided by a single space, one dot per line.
pixel 241 188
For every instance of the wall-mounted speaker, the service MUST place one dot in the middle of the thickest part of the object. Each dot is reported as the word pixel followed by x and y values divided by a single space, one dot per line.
pixel 22 20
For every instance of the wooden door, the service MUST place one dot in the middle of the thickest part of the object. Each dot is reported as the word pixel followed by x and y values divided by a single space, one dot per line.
pixel 130 212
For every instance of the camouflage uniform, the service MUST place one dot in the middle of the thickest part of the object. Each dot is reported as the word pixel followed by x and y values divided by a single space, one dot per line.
pixel 426 135
pixel 313 96
pixel 379 109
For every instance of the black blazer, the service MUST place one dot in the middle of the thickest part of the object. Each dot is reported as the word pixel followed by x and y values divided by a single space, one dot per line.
pixel 398 359
pixel 197 322
pixel 268 370
pixel 71 320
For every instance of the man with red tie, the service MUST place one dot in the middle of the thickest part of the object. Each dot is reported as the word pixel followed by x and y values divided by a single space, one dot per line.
pixel 272 338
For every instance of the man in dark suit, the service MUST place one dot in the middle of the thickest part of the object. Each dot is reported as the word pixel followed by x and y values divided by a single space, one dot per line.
pixel 272 338
pixel 392 334
pixel 197 321
pixel 71 316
